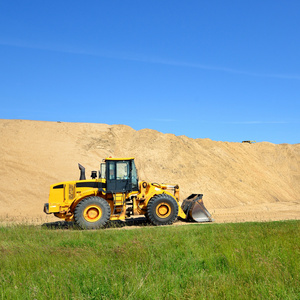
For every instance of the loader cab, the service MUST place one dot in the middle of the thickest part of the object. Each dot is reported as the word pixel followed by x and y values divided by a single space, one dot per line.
pixel 120 174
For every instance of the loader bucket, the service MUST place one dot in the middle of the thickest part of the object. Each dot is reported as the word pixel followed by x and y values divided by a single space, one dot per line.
pixel 195 210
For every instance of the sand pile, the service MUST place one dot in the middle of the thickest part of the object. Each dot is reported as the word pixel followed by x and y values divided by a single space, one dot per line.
pixel 240 182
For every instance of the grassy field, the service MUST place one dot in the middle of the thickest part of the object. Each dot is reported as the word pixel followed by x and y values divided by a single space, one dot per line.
pixel 201 261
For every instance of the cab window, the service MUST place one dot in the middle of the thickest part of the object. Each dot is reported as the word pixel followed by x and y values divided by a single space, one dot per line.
pixel 103 170
pixel 122 170
pixel 111 171
pixel 134 179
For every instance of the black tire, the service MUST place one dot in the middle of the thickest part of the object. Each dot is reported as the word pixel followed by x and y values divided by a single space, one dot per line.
pixel 92 213
pixel 147 217
pixel 162 210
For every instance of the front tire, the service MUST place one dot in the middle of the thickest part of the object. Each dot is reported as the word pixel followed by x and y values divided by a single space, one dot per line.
pixel 92 213
pixel 162 210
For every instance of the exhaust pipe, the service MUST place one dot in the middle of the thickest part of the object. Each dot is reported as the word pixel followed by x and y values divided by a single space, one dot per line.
pixel 82 172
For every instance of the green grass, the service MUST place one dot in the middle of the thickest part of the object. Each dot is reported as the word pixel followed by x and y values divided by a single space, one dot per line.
pixel 211 261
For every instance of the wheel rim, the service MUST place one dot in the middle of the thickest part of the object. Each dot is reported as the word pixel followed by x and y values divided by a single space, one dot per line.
pixel 163 210
pixel 92 213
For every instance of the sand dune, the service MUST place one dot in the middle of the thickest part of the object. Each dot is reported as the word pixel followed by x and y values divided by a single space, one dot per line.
pixel 240 182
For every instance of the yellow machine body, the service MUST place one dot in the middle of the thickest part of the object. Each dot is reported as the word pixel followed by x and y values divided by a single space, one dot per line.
pixel 116 195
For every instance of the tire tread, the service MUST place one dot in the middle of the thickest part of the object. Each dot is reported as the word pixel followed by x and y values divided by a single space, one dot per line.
pixel 153 218
pixel 78 212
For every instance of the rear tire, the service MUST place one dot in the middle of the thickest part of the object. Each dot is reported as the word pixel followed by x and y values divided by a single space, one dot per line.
pixel 162 210
pixel 92 213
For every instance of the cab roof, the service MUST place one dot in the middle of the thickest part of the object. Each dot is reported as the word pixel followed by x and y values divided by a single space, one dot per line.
pixel 119 158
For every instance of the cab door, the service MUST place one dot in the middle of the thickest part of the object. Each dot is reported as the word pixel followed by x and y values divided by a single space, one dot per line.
pixel 118 176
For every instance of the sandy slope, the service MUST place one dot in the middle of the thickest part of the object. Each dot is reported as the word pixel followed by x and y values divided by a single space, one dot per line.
pixel 240 182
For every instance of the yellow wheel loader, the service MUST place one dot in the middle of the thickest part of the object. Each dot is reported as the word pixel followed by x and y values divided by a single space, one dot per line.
pixel 115 193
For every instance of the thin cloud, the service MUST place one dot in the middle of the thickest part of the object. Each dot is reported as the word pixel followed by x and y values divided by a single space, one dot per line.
pixel 257 122
pixel 252 122
pixel 163 120
pixel 213 68
pixel 228 123
pixel 138 58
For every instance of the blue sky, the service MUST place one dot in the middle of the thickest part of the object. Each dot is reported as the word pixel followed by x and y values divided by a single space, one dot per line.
pixel 224 70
